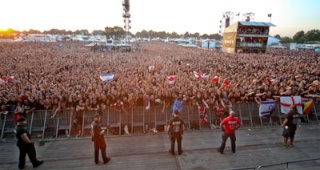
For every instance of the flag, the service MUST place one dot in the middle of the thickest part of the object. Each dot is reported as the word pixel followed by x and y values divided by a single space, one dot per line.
pixel 9 79
pixel 269 15
pixel 225 84
pixel 286 101
pixel 307 106
pixel 2 81
pixel 151 68
pixel 199 75
pixel 266 107
pixel 215 79
pixel 171 79
pixel 106 77
pixel 274 81
pixel 203 115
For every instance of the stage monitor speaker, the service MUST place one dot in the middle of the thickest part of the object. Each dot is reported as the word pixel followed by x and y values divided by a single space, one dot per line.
pixel 227 22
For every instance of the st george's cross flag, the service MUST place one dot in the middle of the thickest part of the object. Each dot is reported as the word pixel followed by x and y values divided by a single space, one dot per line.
pixel 215 79
pixel 266 107
pixel 106 77
pixel 286 101
pixel 171 79
pixel 200 75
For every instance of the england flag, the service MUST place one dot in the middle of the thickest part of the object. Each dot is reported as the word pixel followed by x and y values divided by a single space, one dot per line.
pixel 171 79
pixel 286 101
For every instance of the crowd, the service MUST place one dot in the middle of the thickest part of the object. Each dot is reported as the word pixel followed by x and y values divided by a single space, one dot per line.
pixel 52 76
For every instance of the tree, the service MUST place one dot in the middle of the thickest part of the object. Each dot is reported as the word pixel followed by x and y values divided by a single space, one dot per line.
pixel 114 31
pixel 286 40
pixel 312 35
pixel 215 36
pixel 196 35
pixel 298 37
pixel 205 36
pixel 55 31
pixel 174 35
pixel 277 36
pixel 186 35
pixel 32 31
pixel 98 32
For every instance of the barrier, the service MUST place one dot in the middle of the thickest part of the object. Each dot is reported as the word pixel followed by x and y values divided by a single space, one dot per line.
pixel 40 121
pixel 304 166
pixel 8 125
pixel 1 125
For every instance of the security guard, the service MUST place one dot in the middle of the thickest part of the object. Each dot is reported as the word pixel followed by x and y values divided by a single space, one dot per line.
pixel 25 145
pixel 175 130
pixel 229 125
pixel 98 140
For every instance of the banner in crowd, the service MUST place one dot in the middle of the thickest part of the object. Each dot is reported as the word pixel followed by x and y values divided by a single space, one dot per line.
pixel 266 107
pixel 199 75
pixel 286 101
pixel 106 77
pixel 307 106
pixel 2 81
pixel 225 84
pixel 215 79
pixel 151 68
pixel 203 115
pixel 171 79
pixel 6 80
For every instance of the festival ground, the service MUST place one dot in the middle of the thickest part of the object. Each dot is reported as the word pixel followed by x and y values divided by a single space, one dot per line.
pixel 255 146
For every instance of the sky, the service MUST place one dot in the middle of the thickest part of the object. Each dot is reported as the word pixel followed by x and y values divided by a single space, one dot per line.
pixel 202 16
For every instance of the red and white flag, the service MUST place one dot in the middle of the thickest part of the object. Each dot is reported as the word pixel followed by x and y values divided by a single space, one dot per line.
pixel 286 101
pixel 225 84
pixel 151 68
pixel 203 115
pixel 171 79
pixel 10 78
pixel 215 79
pixel 200 75
pixel 2 81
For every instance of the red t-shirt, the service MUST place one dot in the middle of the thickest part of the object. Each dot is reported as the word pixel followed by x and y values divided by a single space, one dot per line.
pixel 230 124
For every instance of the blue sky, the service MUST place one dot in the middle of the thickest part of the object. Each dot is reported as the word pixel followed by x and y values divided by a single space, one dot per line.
pixel 203 16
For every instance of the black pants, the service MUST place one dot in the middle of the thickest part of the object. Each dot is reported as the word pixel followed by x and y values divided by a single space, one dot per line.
pixel 100 145
pixel 225 137
pixel 174 137
pixel 31 151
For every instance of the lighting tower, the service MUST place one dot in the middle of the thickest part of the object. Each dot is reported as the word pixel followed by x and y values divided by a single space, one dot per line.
pixel 126 17
pixel 226 21
pixel 248 16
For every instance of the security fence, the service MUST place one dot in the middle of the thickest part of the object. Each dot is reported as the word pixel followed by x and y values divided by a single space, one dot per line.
pixel 135 120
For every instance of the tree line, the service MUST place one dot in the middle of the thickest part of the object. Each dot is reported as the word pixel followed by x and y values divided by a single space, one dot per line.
pixel 312 36
pixel 110 32
pixel 309 37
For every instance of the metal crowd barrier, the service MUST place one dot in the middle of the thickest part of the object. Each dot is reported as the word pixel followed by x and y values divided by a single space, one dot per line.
pixel 41 123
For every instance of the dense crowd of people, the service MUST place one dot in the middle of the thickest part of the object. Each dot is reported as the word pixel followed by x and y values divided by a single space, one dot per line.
pixel 66 76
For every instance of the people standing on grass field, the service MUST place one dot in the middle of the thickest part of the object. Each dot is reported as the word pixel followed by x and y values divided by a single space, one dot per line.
pixel 229 125
pixel 290 126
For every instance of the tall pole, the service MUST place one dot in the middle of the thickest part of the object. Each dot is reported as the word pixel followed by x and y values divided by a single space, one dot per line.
pixel 126 16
